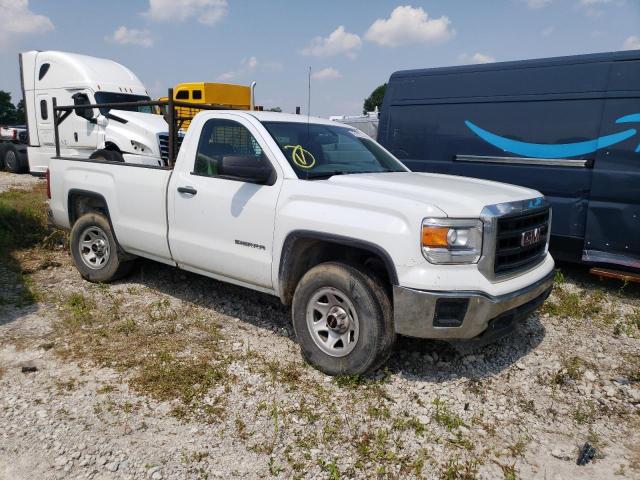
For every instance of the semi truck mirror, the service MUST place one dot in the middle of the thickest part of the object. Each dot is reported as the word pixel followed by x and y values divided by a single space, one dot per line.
pixel 86 113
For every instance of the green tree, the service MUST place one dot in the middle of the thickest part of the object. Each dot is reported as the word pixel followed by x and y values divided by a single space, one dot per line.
pixel 7 109
pixel 21 117
pixel 274 109
pixel 375 99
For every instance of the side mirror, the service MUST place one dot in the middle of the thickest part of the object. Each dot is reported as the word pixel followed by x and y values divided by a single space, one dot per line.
pixel 247 168
pixel 86 113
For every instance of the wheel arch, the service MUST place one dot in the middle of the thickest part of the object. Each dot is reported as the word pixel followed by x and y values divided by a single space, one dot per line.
pixel 319 247
pixel 80 202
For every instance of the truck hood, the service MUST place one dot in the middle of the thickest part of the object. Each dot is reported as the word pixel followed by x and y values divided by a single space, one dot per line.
pixel 456 196
pixel 150 122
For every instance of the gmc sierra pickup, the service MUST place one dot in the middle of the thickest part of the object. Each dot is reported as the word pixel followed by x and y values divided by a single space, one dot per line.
pixel 320 215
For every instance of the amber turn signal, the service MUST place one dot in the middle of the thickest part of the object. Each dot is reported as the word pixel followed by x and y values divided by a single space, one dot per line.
pixel 434 237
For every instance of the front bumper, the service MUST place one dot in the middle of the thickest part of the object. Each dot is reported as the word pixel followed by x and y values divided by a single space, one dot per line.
pixel 415 311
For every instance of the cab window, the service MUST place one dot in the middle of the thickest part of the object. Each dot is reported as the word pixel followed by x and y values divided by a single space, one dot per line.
pixel 197 95
pixel 182 95
pixel 225 140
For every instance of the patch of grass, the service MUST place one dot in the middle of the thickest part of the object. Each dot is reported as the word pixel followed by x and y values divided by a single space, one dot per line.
pixel 23 225
pixel 274 468
pixel 444 416
pixel 629 325
pixel 408 422
pixel 584 413
pixel 457 469
pixel 509 471
pixel 572 368
pixel 566 304
pixel 518 448
pixel 79 310
pixel 162 361
pixel 166 377
pixel 331 468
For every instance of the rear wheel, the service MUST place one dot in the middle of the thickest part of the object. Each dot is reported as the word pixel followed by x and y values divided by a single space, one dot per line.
pixel 12 159
pixel 342 317
pixel 95 251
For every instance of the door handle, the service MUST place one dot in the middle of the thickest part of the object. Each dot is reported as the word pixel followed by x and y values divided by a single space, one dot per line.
pixel 187 190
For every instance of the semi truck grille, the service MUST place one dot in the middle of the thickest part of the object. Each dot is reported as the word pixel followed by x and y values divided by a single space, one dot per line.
pixel 521 240
pixel 163 140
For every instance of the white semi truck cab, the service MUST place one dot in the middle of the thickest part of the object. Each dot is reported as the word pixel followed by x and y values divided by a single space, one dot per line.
pixel 131 134
pixel 320 215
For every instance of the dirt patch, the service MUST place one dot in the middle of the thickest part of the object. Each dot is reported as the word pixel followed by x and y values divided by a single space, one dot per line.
pixel 12 181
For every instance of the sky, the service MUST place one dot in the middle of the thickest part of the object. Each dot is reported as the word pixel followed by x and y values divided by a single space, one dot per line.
pixel 351 46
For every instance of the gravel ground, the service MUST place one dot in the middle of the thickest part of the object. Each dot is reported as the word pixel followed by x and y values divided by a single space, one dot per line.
pixel 9 181
pixel 171 375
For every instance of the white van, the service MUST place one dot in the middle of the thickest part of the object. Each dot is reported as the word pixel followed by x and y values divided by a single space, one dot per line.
pixel 131 134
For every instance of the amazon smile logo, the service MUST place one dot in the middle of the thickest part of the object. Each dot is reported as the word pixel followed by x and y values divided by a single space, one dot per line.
pixel 562 150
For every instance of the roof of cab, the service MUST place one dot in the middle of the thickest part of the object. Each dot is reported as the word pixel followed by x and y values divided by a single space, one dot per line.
pixel 291 117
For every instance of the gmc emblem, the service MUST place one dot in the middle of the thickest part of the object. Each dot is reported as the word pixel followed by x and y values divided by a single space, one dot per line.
pixel 530 237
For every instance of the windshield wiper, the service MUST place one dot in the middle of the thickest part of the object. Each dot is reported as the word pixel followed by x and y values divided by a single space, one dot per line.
pixel 324 175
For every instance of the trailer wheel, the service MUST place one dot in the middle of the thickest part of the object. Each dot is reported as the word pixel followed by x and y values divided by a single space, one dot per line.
pixel 95 251
pixel 342 317
pixel 12 159
pixel 107 155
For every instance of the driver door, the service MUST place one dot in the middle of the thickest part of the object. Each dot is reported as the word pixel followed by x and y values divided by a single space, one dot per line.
pixel 219 225
pixel 80 132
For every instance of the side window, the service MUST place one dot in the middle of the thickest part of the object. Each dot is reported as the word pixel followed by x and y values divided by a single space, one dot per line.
pixel 44 113
pixel 197 95
pixel 182 95
pixel 229 141
pixel 44 68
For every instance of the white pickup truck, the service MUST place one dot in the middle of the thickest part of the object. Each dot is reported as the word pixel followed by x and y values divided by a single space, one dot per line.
pixel 320 215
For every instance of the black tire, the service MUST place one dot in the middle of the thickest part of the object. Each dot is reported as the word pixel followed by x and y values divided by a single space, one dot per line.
pixel 107 155
pixel 116 264
pixel 12 161
pixel 372 307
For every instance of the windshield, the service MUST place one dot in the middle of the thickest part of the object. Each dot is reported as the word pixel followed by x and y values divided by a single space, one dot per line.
pixel 112 97
pixel 321 151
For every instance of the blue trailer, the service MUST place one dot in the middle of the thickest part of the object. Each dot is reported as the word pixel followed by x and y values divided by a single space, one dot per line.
pixel 567 126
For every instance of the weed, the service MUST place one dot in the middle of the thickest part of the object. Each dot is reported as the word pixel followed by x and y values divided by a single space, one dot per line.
pixel 274 469
pixel 410 423
pixel 455 469
pixel 331 468
pixel 518 448
pixel 584 413
pixel 509 471
pixel 558 278
pixel 572 368
pixel 241 429
pixel 444 416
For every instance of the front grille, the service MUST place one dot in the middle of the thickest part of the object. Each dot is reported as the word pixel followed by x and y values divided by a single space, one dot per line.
pixel 163 140
pixel 512 254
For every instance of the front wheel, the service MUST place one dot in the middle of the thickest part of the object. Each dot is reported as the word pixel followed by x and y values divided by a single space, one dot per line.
pixel 342 317
pixel 95 251
pixel 107 155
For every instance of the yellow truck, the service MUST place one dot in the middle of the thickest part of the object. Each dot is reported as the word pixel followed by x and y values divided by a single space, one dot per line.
pixel 234 97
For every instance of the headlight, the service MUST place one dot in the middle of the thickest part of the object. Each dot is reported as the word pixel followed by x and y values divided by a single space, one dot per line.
pixel 447 240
